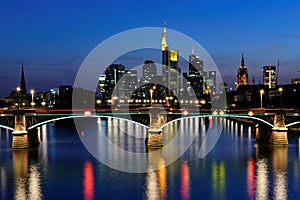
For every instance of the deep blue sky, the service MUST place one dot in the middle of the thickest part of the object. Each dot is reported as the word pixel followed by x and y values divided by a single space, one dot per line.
pixel 53 37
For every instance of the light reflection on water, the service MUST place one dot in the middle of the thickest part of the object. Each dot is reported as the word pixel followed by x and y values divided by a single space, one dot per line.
pixel 27 178
pixel 236 168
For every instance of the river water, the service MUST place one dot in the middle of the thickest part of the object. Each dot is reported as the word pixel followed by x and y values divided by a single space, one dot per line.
pixel 236 167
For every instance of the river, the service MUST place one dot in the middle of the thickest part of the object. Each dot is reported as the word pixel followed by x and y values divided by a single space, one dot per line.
pixel 235 168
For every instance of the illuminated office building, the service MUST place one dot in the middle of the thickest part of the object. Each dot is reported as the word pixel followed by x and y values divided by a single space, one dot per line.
pixel 269 75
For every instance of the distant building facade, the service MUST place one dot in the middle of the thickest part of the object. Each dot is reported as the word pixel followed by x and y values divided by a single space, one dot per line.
pixel 65 96
pixel 296 81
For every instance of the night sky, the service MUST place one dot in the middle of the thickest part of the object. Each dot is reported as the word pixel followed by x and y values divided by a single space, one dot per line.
pixel 52 38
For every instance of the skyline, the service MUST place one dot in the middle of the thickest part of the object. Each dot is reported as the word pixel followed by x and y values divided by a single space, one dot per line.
pixel 52 39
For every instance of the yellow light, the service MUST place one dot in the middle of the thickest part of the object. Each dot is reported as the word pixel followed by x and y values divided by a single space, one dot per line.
pixel 18 89
pixel 280 89
pixel 174 55
pixel 262 91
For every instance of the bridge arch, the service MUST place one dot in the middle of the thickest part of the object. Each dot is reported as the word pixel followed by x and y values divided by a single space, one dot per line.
pixel 292 124
pixel 225 115
pixel 6 127
pixel 249 117
pixel 83 116
pixel 186 117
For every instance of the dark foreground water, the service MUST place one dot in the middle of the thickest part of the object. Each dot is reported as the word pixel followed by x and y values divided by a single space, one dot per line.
pixel 236 168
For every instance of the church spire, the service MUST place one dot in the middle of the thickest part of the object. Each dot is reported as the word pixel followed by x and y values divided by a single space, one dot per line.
pixel 22 83
pixel 242 60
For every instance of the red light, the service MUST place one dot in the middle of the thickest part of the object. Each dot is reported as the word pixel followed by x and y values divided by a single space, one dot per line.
pixel 250 113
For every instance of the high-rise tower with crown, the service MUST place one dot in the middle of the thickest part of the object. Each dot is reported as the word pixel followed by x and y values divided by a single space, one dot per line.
pixel 165 52
pixel 242 75
pixel 170 68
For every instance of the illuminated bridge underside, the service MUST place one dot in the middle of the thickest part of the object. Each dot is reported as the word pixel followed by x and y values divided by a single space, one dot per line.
pixel 59 117
pixel 130 120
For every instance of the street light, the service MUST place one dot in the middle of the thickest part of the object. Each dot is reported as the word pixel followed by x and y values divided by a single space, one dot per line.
pixel 18 99
pixel 261 94
pixel 151 93
pixel 32 97
pixel 280 90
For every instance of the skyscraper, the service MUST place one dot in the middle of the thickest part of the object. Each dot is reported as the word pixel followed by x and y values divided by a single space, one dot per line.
pixel 269 74
pixel 165 59
pixel 242 75
pixel 131 81
pixel 165 51
pixel 195 74
pixel 173 72
pixel 149 71
pixel 212 81
pixel 102 86
pixel 195 65
pixel 112 75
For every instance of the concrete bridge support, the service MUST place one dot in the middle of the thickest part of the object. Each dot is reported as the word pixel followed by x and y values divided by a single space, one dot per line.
pixel 19 135
pixel 154 139
pixel 279 132
pixel 21 138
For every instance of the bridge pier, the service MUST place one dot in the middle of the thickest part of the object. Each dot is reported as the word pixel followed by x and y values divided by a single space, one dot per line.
pixel 279 132
pixel 154 139
pixel 19 135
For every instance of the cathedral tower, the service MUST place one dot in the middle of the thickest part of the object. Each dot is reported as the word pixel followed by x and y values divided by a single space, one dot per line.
pixel 242 75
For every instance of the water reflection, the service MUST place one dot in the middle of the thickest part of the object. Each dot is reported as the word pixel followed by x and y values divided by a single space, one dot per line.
pixel 88 181
pixel 219 179
pixel 262 179
pixel 261 174
pixel 185 181
pixel 276 156
pixel 251 178
pixel 156 181
pixel 3 178
pixel 27 178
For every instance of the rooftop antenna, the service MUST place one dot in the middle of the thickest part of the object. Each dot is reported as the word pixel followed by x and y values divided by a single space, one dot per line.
pixel 193 51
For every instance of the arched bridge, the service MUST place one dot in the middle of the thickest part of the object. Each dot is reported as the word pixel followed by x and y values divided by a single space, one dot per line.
pixel 23 121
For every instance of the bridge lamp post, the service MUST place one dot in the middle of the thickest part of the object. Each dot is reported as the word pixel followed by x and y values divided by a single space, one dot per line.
pixel 32 97
pixel 261 95
pixel 18 97
pixel 151 93
pixel 280 90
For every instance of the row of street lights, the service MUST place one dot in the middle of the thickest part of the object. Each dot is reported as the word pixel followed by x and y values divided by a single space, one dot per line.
pixel 18 89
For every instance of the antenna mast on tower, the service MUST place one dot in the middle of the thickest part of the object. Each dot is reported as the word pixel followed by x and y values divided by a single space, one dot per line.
pixel 277 73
